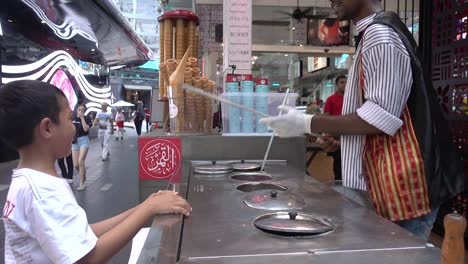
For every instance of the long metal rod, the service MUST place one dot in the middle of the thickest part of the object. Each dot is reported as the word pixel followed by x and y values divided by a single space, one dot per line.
pixel 199 91
pixel 273 134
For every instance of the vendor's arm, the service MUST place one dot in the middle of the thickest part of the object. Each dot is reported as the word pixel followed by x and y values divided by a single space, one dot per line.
pixel 387 88
pixel 350 124
pixel 387 85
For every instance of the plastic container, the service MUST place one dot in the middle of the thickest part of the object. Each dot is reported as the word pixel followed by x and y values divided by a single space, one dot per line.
pixel 247 117
pixel 264 102
pixel 261 100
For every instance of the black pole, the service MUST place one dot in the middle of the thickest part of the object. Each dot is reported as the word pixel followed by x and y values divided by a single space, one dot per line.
pixel 425 36
pixel 398 7
pixel 406 10
pixel 412 17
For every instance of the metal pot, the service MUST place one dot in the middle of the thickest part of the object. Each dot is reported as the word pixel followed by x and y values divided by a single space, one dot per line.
pixel 251 176
pixel 246 166
pixel 260 186
pixel 293 224
pixel 273 200
pixel 212 169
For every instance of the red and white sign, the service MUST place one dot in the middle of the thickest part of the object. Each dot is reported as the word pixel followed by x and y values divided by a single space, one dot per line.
pixel 160 158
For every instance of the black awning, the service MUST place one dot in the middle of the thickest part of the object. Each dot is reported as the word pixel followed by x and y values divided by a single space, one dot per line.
pixel 93 31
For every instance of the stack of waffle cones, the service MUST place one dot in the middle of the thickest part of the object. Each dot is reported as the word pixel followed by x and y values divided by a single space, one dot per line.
pixel 194 111
pixel 190 98
pixel 209 87
pixel 176 80
pixel 163 80
pixel 191 29
pixel 180 38
pixel 198 106
pixel 168 38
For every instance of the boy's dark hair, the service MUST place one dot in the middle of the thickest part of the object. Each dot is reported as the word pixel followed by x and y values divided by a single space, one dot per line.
pixel 339 78
pixel 23 104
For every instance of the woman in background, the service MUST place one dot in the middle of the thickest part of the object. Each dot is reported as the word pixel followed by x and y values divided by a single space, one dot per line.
pixel 138 120
pixel 81 145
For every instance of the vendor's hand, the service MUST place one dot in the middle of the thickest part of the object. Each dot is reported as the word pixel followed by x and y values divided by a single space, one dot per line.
pixel 328 143
pixel 167 202
pixel 291 124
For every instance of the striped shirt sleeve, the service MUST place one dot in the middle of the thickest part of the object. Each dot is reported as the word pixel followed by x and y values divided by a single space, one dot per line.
pixel 387 85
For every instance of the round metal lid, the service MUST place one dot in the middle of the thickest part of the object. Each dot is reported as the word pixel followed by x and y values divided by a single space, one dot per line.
pixel 182 14
pixel 212 169
pixel 246 166
pixel 273 200
pixel 293 224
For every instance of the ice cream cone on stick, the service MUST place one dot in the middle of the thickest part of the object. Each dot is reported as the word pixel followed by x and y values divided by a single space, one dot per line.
pixel 176 79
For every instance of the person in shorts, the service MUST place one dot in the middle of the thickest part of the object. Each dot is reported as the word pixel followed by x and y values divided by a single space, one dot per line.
pixel 80 147
pixel 119 121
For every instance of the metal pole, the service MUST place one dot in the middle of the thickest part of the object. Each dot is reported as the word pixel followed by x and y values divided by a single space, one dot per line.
pixel 425 36
pixel 406 10
pixel 398 7
pixel 412 17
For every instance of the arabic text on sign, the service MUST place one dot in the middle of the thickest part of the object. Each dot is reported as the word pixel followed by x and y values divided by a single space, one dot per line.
pixel 160 158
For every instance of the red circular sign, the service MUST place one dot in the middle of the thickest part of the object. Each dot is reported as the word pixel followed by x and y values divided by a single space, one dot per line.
pixel 160 159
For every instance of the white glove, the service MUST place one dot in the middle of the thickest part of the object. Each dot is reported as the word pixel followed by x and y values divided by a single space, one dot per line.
pixel 291 124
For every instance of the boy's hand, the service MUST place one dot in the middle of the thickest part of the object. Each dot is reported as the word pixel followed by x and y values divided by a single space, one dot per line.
pixel 167 202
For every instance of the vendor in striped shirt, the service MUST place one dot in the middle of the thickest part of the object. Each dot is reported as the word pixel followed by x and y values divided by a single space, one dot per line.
pixel 388 80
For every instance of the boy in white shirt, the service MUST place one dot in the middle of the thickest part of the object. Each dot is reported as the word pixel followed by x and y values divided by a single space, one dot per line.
pixel 43 222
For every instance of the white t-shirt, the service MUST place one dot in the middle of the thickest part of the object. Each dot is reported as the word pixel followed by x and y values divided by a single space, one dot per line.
pixel 104 118
pixel 119 117
pixel 43 222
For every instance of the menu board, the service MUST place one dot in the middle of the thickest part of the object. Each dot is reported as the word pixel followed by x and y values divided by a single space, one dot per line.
pixel 317 63
pixel 237 37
